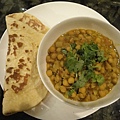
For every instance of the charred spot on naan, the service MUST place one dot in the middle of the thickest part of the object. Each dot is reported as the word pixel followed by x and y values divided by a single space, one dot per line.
pixel 14 25
pixel 11 39
pixel 30 20
pixel 32 23
pixel 9 70
pixel 20 85
pixel 18 81
pixel 20 44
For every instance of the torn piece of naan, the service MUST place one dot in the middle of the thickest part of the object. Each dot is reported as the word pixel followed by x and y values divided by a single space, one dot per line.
pixel 23 88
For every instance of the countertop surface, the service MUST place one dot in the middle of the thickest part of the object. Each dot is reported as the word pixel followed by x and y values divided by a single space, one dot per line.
pixel 110 9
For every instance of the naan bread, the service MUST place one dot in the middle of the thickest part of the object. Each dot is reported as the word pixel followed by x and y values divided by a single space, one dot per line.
pixel 23 88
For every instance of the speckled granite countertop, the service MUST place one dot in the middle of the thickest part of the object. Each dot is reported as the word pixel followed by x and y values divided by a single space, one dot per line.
pixel 110 9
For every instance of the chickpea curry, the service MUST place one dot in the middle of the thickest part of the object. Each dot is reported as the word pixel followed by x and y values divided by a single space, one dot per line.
pixel 83 65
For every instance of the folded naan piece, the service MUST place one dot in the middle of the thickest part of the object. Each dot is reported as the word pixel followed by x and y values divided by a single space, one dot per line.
pixel 23 88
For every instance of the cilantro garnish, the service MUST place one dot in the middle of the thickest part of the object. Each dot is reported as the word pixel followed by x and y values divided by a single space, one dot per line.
pixel 70 92
pixel 90 53
pixel 64 51
pixel 80 82
pixel 82 63
pixel 73 45
pixel 72 64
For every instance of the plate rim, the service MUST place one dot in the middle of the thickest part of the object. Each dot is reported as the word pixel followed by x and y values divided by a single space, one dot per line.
pixel 58 2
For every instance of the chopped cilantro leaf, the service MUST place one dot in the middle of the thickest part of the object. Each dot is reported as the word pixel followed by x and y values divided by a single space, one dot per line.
pixel 72 64
pixel 82 63
pixel 80 82
pixel 73 45
pixel 78 66
pixel 70 92
pixel 98 78
pixel 64 51
pixel 101 57
pixel 90 53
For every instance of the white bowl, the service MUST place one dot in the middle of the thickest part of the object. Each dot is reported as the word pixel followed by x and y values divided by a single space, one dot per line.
pixel 51 36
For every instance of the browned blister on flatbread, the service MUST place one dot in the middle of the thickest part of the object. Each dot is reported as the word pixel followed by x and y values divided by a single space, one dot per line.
pixel 23 88
pixel 30 20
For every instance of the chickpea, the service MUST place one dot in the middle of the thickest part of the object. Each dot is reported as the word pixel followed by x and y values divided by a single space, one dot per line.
pixel 80 36
pixel 48 66
pixel 113 53
pixel 110 60
pixel 98 40
pixel 114 75
pixel 115 80
pixel 71 32
pixel 77 47
pixel 59 56
pixel 94 35
pixel 52 78
pixel 71 80
pixel 52 49
pixel 103 86
pixel 93 97
pixel 87 98
pixel 110 85
pixel 57 86
pixel 89 32
pixel 102 93
pixel 106 91
pixel 61 63
pixel 65 82
pixel 83 31
pixel 61 38
pixel 63 89
pixel 51 61
pixel 49 73
pixel 109 56
pixel 48 58
pixel 116 70
pixel 68 48
pixel 82 90
pixel 108 66
pixel 89 38
pixel 102 70
pixel 93 85
pixel 58 44
pixel 77 31
pixel 114 63
pixel 81 95
pixel 57 78
pixel 58 49
pixel 77 97
pixel 73 95
pixel 66 76
pixel 53 55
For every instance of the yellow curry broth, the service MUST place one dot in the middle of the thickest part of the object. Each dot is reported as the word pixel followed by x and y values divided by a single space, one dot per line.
pixel 63 80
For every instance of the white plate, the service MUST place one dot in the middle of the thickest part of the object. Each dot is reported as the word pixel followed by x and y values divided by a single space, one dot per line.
pixel 50 14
